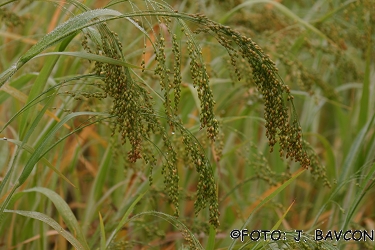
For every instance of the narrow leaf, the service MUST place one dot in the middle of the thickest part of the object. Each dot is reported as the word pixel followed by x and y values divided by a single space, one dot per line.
pixel 124 219
pixel 92 57
pixel 48 220
pixel 31 150
pixel 102 233
pixel 64 210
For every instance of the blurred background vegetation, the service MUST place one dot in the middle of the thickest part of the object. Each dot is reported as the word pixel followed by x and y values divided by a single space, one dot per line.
pixel 65 180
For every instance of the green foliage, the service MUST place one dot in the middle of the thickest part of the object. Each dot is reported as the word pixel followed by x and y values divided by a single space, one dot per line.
pixel 140 110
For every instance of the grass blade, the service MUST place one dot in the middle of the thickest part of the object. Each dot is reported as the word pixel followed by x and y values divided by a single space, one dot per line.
pixel 65 212
pixel 38 87
pixel 69 28
pixel 39 152
pixel 363 114
pixel 31 150
pixel 354 151
pixel 176 223
pixel 211 239
pixel 102 233
pixel 282 9
pixel 366 185
pixel 267 196
pixel 124 219
pixel 51 222
pixel 92 57
pixel 277 225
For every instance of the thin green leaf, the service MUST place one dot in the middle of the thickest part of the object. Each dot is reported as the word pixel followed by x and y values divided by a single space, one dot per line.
pixel 102 233
pixel 37 88
pixel 48 220
pixel 92 57
pixel 211 239
pixel 174 222
pixel 70 27
pixel 10 170
pixel 65 212
pixel 363 114
pixel 366 185
pixel 17 84
pixel 124 219
pixel 98 186
pixel 282 9
pixel 355 149
pixel 277 225
pixel 268 197
pixel 66 29
pixel 39 151
pixel 31 150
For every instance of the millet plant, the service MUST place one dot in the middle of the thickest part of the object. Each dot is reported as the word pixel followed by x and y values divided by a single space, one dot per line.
pixel 138 85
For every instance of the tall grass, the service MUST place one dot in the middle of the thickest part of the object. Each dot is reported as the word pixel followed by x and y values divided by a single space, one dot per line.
pixel 147 124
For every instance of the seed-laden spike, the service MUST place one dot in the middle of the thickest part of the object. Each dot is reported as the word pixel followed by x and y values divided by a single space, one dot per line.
pixel 267 81
pixel 136 121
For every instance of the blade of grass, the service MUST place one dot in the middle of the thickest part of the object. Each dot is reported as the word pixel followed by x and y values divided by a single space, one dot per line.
pixel 277 225
pixel 97 188
pixel 334 12
pixel 211 239
pixel 65 30
pixel 354 151
pixel 271 193
pixel 102 233
pixel 38 87
pixel 36 99
pixel 28 106
pixel 266 197
pixel 366 185
pixel 43 147
pixel 173 221
pixel 91 57
pixel 124 219
pixel 31 150
pixel 282 9
pixel 64 210
pixel 16 84
pixel 363 113
pixel 23 98
pixel 11 168
pixel 8 2
pixel 40 150
pixel 51 222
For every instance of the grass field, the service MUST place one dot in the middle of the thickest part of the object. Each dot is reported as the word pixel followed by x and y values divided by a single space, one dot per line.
pixel 182 124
